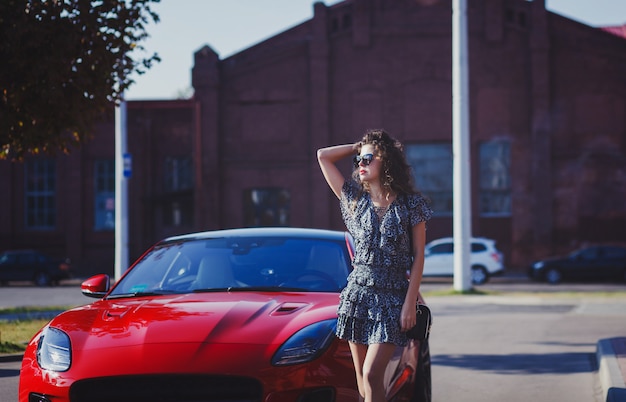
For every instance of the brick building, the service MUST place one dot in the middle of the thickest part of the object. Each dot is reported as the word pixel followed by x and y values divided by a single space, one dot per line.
pixel 547 123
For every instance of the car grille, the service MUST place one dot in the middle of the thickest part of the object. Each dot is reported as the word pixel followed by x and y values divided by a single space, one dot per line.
pixel 167 388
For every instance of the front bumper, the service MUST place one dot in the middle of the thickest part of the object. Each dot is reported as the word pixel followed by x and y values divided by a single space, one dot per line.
pixel 122 376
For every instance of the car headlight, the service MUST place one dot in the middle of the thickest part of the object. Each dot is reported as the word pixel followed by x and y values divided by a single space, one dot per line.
pixel 306 344
pixel 53 350
pixel 538 265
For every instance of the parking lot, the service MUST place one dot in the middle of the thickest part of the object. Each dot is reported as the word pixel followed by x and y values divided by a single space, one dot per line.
pixel 517 341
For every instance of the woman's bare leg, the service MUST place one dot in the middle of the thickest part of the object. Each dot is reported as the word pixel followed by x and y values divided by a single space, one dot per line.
pixel 374 366
pixel 359 352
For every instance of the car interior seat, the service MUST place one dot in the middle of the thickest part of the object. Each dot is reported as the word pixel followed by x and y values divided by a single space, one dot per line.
pixel 214 271
pixel 327 258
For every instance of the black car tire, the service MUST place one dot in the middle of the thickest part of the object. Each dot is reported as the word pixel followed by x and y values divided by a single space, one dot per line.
pixel 41 279
pixel 553 276
pixel 479 275
pixel 423 391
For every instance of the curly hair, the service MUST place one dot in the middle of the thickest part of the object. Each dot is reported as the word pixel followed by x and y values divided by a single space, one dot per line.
pixel 396 175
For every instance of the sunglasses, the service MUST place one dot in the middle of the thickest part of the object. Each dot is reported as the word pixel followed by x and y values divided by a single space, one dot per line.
pixel 366 159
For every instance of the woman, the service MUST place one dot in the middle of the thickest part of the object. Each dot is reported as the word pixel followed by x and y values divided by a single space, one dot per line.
pixel 384 214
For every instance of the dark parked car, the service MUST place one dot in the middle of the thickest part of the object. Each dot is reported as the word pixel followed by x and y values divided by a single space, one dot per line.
pixel 230 315
pixel 591 263
pixel 31 265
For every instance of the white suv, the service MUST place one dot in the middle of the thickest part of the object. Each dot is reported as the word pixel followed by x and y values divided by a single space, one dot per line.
pixel 485 259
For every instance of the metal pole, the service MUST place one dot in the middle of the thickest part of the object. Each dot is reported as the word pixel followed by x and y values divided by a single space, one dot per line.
pixel 121 191
pixel 461 148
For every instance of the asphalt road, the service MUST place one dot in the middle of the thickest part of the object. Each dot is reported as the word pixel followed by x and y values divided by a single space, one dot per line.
pixel 520 348
pixel 528 342
pixel 9 380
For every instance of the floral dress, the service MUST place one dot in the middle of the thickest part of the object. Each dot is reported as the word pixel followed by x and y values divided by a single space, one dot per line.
pixel 370 304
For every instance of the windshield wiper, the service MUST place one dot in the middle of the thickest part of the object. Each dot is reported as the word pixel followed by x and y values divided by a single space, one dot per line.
pixel 253 289
pixel 268 289
pixel 210 290
pixel 141 294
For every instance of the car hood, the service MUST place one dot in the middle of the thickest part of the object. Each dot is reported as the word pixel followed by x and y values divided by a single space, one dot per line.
pixel 201 333
pixel 232 318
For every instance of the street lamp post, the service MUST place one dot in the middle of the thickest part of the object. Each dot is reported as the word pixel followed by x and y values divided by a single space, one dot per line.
pixel 461 148
pixel 122 173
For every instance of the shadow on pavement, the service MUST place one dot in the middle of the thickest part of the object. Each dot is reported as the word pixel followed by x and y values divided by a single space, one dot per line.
pixel 559 363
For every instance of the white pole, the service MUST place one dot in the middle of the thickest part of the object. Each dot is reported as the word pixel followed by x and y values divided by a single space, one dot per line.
pixel 461 147
pixel 121 191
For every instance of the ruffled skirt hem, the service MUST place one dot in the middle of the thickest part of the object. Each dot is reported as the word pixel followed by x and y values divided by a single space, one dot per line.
pixel 369 332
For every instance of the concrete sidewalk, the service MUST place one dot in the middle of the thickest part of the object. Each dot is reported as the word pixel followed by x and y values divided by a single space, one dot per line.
pixel 611 356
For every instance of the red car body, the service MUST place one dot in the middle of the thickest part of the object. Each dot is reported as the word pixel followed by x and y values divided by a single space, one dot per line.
pixel 207 346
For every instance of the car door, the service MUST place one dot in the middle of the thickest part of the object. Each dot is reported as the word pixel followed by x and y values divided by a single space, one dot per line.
pixel 439 260
pixel 26 266
pixel 612 263
pixel 586 264
pixel 7 266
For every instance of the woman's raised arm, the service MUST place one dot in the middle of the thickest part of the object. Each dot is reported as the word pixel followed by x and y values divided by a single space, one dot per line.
pixel 328 158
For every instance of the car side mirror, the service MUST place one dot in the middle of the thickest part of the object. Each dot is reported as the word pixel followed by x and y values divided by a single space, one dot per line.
pixel 96 286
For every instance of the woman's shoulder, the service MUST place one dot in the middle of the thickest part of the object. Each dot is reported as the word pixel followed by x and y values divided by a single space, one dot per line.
pixel 412 199
pixel 418 203
pixel 417 197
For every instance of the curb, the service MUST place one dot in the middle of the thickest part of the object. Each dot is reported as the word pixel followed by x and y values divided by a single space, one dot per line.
pixel 611 376
pixel 12 357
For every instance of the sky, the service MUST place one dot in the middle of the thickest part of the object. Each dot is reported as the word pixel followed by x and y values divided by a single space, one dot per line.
pixel 230 26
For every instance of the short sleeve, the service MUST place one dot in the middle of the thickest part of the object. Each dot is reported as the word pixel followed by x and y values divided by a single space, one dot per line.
pixel 348 204
pixel 349 192
pixel 419 209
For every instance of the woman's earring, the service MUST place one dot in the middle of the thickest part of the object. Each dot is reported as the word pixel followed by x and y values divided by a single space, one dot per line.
pixel 388 179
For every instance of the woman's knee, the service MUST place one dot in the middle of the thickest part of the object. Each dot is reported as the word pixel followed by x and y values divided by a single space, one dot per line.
pixel 373 375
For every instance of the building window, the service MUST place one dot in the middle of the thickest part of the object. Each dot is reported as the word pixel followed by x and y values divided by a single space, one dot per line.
pixel 40 194
pixel 346 21
pixel 177 185
pixel 266 207
pixel 104 179
pixel 178 174
pixel 178 210
pixel 495 178
pixel 432 171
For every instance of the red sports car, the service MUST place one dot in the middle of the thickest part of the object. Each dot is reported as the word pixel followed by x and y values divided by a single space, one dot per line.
pixel 232 315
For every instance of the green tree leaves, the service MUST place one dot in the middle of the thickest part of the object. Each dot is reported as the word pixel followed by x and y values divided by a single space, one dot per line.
pixel 63 65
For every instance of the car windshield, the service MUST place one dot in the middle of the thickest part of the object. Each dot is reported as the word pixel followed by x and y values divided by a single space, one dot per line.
pixel 585 254
pixel 239 264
